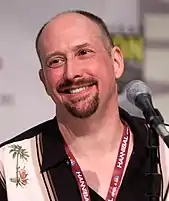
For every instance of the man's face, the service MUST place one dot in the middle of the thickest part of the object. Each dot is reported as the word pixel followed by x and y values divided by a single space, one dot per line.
pixel 77 70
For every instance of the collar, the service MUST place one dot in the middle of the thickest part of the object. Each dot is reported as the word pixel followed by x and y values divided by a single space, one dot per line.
pixel 53 143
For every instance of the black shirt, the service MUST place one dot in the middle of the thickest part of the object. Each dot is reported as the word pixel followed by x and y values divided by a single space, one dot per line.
pixel 56 166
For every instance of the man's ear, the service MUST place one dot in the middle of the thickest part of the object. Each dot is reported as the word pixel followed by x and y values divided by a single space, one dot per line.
pixel 43 80
pixel 118 62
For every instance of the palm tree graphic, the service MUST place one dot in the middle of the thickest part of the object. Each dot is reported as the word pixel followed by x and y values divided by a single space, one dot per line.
pixel 18 153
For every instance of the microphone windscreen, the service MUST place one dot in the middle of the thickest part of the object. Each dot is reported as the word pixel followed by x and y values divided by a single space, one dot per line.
pixel 135 88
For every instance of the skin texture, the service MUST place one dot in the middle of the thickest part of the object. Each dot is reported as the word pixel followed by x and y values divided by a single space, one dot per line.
pixel 74 54
pixel 79 58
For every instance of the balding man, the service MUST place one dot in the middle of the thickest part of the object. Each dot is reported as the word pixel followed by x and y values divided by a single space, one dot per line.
pixel 92 150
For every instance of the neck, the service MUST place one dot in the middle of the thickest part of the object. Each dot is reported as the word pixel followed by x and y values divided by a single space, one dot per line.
pixel 99 134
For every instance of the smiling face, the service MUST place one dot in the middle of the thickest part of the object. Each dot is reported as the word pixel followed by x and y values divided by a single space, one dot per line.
pixel 77 70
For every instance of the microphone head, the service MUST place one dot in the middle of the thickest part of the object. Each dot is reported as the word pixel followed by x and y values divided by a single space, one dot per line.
pixel 135 88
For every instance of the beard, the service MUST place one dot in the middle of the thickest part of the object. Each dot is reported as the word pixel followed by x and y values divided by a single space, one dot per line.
pixel 83 107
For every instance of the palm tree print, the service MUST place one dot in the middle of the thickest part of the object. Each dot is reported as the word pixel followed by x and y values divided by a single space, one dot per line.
pixel 19 153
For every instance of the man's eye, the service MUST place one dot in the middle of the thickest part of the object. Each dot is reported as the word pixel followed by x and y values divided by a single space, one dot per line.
pixel 83 52
pixel 55 62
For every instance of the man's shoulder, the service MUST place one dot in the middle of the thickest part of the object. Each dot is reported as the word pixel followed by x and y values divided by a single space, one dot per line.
pixel 138 124
pixel 130 118
pixel 30 133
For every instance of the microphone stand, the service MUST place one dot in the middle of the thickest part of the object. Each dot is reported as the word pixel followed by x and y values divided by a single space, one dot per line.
pixel 154 179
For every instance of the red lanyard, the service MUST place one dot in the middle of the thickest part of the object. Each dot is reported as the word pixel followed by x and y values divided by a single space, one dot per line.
pixel 117 173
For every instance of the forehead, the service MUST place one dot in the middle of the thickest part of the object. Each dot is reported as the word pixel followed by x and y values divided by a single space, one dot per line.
pixel 68 30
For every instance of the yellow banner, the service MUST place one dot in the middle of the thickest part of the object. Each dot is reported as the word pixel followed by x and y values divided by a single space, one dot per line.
pixel 131 46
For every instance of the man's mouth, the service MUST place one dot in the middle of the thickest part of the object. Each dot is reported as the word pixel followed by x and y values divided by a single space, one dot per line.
pixel 77 89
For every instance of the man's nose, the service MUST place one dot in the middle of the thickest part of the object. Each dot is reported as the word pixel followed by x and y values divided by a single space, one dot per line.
pixel 72 70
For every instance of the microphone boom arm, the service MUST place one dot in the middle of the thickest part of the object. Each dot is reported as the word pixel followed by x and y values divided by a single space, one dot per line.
pixel 152 116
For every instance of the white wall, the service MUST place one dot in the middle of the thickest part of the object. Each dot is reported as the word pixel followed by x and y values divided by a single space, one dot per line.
pixel 19 22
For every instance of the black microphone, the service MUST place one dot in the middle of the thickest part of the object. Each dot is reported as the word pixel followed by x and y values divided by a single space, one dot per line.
pixel 139 94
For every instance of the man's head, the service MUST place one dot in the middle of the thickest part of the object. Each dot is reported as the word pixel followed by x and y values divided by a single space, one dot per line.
pixel 79 62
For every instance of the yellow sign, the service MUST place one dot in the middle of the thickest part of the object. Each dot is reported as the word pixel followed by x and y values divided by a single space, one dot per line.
pixel 131 46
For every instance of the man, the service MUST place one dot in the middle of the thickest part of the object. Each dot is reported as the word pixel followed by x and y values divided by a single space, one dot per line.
pixel 92 150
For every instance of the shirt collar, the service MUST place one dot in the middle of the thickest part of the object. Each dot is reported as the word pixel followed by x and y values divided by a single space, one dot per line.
pixel 53 143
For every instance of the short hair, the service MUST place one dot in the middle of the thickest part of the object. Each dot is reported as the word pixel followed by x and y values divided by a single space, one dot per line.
pixel 97 20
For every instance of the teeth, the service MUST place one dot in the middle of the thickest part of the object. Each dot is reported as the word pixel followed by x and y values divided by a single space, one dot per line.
pixel 73 91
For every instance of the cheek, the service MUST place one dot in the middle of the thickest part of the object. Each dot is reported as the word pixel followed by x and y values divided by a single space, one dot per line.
pixel 104 68
pixel 53 77
pixel 105 74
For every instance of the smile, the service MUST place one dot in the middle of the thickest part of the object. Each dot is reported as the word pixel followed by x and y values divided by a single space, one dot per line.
pixel 76 90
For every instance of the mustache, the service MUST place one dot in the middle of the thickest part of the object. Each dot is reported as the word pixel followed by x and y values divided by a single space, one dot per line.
pixel 76 83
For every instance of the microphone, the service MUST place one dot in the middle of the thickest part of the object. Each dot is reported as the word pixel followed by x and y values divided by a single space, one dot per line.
pixel 139 94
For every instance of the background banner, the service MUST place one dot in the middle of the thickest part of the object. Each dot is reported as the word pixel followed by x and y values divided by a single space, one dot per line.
pixel 132 46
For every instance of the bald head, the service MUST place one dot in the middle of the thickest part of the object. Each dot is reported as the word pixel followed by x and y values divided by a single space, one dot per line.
pixel 79 63
pixel 78 15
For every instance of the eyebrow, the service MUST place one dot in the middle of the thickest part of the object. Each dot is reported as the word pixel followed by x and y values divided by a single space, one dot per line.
pixel 75 48
pixel 80 46
pixel 54 54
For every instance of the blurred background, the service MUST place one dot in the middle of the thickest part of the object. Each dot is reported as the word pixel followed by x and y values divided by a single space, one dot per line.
pixel 139 27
